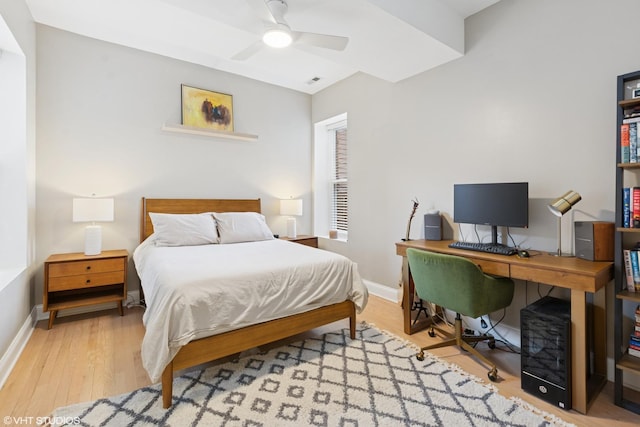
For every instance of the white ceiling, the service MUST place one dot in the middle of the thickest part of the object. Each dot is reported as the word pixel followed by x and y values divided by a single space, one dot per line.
pixel 389 39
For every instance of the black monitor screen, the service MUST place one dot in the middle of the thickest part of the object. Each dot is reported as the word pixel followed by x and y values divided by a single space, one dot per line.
pixel 500 204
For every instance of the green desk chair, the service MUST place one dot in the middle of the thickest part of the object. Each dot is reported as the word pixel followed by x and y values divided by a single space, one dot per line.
pixel 457 284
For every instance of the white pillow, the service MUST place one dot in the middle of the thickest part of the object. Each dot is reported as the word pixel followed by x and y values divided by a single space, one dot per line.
pixel 184 229
pixel 236 227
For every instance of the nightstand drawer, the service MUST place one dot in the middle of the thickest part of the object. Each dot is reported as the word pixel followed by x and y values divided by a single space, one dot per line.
pixel 80 281
pixel 85 267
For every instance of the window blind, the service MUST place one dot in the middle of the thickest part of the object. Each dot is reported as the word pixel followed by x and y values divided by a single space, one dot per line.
pixel 340 202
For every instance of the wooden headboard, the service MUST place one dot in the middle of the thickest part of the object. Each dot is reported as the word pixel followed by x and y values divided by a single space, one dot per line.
pixel 189 206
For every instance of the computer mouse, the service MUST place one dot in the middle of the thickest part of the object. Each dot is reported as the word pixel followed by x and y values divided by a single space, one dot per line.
pixel 523 254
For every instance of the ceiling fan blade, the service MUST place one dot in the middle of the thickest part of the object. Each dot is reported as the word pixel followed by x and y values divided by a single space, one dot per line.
pixel 249 51
pixel 262 10
pixel 322 40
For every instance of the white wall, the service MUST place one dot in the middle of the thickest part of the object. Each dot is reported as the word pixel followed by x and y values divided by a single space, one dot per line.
pixel 100 109
pixel 533 99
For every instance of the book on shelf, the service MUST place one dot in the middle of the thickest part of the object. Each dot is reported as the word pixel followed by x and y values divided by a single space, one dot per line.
pixel 634 119
pixel 633 141
pixel 635 207
pixel 625 152
pixel 626 207
pixel 628 269
pixel 634 338
pixel 635 267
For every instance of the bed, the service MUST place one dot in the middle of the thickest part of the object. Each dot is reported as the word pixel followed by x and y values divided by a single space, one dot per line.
pixel 175 337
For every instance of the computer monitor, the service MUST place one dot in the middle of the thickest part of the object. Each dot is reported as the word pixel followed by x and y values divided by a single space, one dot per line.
pixel 498 205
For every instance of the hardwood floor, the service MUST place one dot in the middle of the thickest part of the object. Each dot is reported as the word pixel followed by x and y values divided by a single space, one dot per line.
pixel 95 355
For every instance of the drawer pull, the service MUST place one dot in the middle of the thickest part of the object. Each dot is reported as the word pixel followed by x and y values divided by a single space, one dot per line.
pixel 88 281
pixel 88 267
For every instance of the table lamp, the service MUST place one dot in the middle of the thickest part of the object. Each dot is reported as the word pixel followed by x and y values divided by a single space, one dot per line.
pixel 92 210
pixel 291 207
pixel 561 206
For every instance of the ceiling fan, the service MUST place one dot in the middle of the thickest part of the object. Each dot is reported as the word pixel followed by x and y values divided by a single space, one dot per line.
pixel 278 34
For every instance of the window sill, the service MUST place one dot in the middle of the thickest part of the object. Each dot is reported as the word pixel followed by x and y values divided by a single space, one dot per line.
pixel 339 239
pixel 9 275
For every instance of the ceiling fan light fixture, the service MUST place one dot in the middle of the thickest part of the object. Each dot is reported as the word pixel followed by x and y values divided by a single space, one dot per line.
pixel 278 36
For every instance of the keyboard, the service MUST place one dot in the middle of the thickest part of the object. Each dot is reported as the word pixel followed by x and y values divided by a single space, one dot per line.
pixel 493 248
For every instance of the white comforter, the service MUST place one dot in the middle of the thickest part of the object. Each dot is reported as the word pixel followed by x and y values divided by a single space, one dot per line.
pixel 197 291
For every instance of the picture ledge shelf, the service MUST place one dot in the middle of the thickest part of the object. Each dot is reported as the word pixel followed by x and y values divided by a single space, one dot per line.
pixel 209 132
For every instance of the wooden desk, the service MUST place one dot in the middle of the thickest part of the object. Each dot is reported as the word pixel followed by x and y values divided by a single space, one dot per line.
pixel 578 275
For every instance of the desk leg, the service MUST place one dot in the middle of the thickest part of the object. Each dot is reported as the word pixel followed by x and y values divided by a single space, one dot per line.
pixel 407 295
pixel 408 291
pixel 579 351
pixel 586 385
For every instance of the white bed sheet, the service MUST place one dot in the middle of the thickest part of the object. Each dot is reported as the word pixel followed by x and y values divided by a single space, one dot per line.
pixel 197 291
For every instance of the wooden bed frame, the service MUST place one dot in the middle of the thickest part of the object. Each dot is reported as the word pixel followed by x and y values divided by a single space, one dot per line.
pixel 211 348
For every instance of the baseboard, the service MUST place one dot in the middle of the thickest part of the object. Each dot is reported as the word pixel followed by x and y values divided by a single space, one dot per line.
pixel 382 291
pixel 11 356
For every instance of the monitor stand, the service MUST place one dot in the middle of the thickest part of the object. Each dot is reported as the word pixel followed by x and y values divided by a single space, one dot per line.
pixel 494 234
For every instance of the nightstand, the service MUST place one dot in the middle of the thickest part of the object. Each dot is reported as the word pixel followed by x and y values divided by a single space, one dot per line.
pixel 303 240
pixel 76 280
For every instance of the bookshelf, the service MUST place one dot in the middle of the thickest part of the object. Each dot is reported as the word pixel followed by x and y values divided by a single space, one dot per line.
pixel 627 367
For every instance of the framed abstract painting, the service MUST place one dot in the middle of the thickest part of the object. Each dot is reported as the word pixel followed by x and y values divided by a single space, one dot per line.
pixel 207 109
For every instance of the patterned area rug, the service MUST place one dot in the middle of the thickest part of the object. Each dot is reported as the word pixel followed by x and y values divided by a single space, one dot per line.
pixel 374 380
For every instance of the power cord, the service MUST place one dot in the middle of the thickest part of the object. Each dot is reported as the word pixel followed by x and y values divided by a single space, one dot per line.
pixel 131 302
pixel 548 292
pixel 512 348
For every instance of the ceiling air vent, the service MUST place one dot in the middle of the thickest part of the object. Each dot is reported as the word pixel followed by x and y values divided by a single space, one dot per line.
pixel 313 80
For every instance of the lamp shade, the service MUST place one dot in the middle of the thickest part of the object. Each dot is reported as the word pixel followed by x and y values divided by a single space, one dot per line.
pixel 92 210
pixel 563 204
pixel 291 207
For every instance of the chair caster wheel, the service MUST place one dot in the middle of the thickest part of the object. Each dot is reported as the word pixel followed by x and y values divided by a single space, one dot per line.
pixel 493 375
pixel 491 344
pixel 420 356
pixel 432 333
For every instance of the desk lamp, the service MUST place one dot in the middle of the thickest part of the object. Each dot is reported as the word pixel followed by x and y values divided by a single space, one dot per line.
pixel 291 207
pixel 561 206
pixel 92 210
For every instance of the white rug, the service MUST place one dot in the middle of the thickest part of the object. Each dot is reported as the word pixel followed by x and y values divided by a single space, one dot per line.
pixel 374 380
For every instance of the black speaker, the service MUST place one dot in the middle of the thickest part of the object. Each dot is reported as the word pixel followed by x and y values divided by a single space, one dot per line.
pixel 545 354
pixel 594 240
pixel 432 227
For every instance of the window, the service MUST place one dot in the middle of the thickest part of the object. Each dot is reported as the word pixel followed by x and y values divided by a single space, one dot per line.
pixel 331 188
pixel 340 202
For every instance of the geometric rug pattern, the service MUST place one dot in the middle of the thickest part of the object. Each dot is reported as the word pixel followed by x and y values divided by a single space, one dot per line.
pixel 374 380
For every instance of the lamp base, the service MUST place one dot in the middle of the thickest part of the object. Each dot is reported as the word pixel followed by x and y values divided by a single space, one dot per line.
pixel 93 240
pixel 559 254
pixel 291 227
